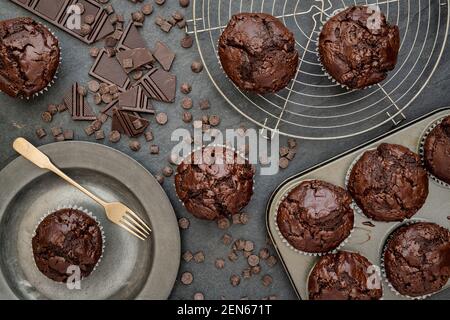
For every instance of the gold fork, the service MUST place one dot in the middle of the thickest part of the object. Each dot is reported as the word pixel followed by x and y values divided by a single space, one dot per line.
pixel 115 211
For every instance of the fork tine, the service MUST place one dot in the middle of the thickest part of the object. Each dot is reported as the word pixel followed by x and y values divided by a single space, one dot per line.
pixel 133 227
pixel 135 224
pixel 130 231
pixel 139 219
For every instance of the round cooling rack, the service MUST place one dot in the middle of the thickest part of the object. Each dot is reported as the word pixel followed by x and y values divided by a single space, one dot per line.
pixel 312 106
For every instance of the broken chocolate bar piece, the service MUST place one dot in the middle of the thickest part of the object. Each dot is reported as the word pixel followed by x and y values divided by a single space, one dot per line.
pixel 59 13
pixel 159 85
pixel 131 38
pixel 164 55
pixel 125 122
pixel 136 57
pixel 108 69
pixel 78 107
pixel 135 100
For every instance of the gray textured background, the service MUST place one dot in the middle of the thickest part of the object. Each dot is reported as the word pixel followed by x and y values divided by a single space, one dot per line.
pixel 21 118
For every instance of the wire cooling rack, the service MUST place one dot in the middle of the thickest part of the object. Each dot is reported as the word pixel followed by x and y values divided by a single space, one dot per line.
pixel 312 106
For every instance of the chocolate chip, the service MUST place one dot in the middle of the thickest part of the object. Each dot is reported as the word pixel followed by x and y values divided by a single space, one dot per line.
pixel 187 256
pixel 111 52
pixel 134 145
pixel 223 223
pixel 185 88
pixel 46 117
pixel 271 261
pixel 199 257
pixel 166 26
pixel 161 118
pixel 159 21
pixel 235 280
pixel 236 219
pixel 94 51
pixel 137 74
pixel 266 280
pixel 226 239
pixel 56 131
pixel 104 88
pixel 187 278
pixel 214 120
pixel 97 98
pixel 256 269
pixel 284 151
pixel 99 135
pixel 184 3
pixel 199 296
pixel 154 149
pixel 249 245
pixel 197 67
pixel 138 16
pixel 247 273
pixel 52 108
pixel 148 136
pixel 107 98
pixel 283 163
pixel 291 155
pixel 172 21
pixel 247 254
pixel 244 217
pixel 147 9
pixel 220 263
pixel 167 171
pixel 183 223
pixel 187 116
pixel 89 19
pixel 186 103
pixel 203 104
pixel 68 134
pixel 59 138
pixel 187 41
pixel 113 88
pixel 239 244
pixel 253 260
pixel 61 107
pixel 89 130
pixel 368 223
pixel 177 15
pixel 40 133
pixel 232 256
pixel 93 85
pixel 264 253
pixel 292 143
pixel 85 29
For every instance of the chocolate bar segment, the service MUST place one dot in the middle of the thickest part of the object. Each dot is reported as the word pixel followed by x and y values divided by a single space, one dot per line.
pixel 135 100
pixel 57 13
pixel 128 123
pixel 159 85
pixel 108 69
pixel 131 38
pixel 164 55
pixel 131 59
pixel 78 107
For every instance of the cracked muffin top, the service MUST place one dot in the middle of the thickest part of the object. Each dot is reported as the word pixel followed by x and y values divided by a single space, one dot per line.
pixel 437 151
pixel 417 258
pixel 389 183
pixel 315 216
pixel 29 57
pixel 344 276
pixel 214 182
pixel 358 47
pixel 66 238
pixel 258 53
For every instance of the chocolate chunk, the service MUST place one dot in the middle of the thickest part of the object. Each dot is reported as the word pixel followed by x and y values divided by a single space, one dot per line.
pixel 186 103
pixel 181 24
pixel 203 104
pixel 138 16
pixel 159 20
pixel 167 171
pixel 108 70
pixel 292 143
pixel 135 99
pixel 99 135
pixel 223 223
pixel 40 133
pixel 199 257
pixel 239 244
pixel 114 136
pixel 166 26
pixel 148 136
pixel 187 41
pixel 226 239
pixel 183 223
pixel 271 261
pixel 187 116
pixel 68 134
pixel 235 280
pixel 197 67
pixel 59 138
pixel 52 108
pixel 46 116
pixel 159 85
pixel 264 253
pixel 266 280
pixel 154 149
pixel 137 58
pixel 187 256
pixel 283 163
pixel 123 122
pixel 89 130
pixel 253 260
pixel 134 145
pixel 249 245
pixel 236 219
pixel 164 55
pixel 185 88
pixel 131 38
pixel 94 52
pixel 244 218
pixel 161 118
pixel 284 151
pixel 187 278
pixel 214 120
pixel 147 9
pixel 184 3
pixel 291 155
pixel 56 131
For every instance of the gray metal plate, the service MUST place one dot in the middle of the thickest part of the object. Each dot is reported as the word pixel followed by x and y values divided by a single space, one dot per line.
pixel 130 268
pixel 366 240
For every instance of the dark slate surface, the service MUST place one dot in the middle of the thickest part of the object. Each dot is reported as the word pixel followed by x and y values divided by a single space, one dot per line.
pixel 21 118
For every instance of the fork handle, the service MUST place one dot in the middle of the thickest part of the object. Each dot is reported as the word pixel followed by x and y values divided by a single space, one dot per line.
pixel 34 155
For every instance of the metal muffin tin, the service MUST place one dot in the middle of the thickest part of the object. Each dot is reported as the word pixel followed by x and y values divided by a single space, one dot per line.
pixel 366 240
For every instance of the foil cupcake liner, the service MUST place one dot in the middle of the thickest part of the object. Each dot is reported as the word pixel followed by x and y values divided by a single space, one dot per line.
pixel 290 246
pixel 421 150
pixel 383 268
pixel 74 207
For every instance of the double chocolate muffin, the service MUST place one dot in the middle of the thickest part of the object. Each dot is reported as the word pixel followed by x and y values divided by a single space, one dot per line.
pixel 344 276
pixel 315 216
pixel 358 47
pixel 258 53
pixel 389 183
pixel 437 151
pixel 214 182
pixel 66 238
pixel 417 258
pixel 29 57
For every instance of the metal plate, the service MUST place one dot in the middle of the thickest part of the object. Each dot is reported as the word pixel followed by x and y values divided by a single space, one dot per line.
pixel 130 268
pixel 367 240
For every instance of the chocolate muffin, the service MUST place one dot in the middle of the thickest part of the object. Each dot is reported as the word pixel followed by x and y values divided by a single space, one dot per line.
pixel 437 151
pixel 417 258
pixel 214 182
pixel 344 276
pixel 258 52
pixel 358 47
pixel 315 216
pixel 29 57
pixel 65 238
pixel 389 183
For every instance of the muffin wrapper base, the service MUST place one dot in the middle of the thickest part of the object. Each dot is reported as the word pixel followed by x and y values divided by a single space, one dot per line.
pixel 286 242
pixel 74 207
pixel 421 151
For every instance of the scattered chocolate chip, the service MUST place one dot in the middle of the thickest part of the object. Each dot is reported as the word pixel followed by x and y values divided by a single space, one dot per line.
pixel 226 239
pixel 62 107
pixel 167 171
pixel 247 254
pixel 148 136
pixel 89 130
pixel 256 269
pixel 235 280
pixel 161 118
pixel 159 20
pixel 266 280
pixel 183 223
pixel 219 263
pixel 138 16
pixel 111 52
pixel 291 155
pixel 232 256
pixel 203 104
pixel 264 253
pixel 187 116
pixel 93 85
pixel 89 19
pixel 283 163
pixel 214 120
pixel 177 15
pixel 284 151
pixel 107 98
pixel 223 223
pixel 154 149
pixel 172 21
pixel 197 67
pixel 271 261
pixel 97 98
pixel 147 9
pixel 137 74
pixel 68 134
pixel 186 103
pixel 56 131
pixel 52 108
pixel 59 138
pixel 94 51
pixel 159 178
pixel 46 117
pixel 253 260
pixel 40 133
pixel 85 29
pixel 199 296
pixel 166 26
pixel 187 278
pixel 184 3
pixel 181 24
pixel 368 223
pixel 103 88
pixel 187 41
pixel 99 135
pixel 199 257
pixel 185 88
pixel 134 145
pixel 187 256
pixel 247 273
pixel 244 217
pixel 236 219
pixel 292 143
pixel 249 245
